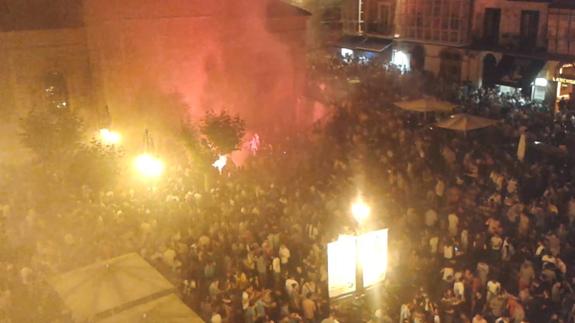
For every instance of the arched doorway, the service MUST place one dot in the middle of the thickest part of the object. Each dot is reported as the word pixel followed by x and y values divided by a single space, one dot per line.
pixel 418 58
pixel 489 70
pixel 450 66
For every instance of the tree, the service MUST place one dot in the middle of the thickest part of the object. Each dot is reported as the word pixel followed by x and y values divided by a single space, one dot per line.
pixel 52 135
pixel 223 132
pixel 94 165
pixel 198 146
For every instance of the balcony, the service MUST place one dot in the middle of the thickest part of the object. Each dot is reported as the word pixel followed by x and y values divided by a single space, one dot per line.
pixel 509 43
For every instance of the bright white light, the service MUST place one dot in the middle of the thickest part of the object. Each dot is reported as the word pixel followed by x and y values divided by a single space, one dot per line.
pixel 360 210
pixel 341 266
pixel 373 254
pixel 110 138
pixel 149 166
pixel 541 81
pixel 538 142
pixel 220 163
pixel 400 59
pixel 345 52
pixel 396 36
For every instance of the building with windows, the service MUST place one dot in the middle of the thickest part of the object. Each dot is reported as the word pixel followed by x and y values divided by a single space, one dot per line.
pixel 434 33
pixel 510 41
pixel 443 22
pixel 561 44
pixel 517 45
pixel 368 28
pixel 427 34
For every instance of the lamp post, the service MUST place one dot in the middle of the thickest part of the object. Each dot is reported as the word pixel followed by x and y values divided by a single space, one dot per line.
pixel 147 165
pixel 106 135
pixel 357 262
pixel 360 211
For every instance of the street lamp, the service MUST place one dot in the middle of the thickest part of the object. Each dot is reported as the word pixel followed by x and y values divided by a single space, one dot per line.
pixel 149 166
pixel 360 210
pixel 109 137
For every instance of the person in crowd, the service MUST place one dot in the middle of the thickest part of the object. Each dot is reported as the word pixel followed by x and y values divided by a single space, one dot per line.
pixel 489 237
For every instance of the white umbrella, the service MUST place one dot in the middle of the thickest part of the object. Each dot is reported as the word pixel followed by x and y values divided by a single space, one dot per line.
pixel 107 285
pixel 426 105
pixel 465 122
pixel 167 309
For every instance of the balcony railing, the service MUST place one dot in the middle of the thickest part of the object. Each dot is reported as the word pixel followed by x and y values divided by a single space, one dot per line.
pixel 508 42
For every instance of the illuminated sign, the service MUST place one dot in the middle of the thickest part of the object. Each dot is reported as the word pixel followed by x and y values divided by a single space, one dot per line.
pixel 372 248
pixel 563 80
pixel 341 266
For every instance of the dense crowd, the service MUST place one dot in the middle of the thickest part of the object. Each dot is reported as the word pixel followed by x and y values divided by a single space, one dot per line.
pixel 476 235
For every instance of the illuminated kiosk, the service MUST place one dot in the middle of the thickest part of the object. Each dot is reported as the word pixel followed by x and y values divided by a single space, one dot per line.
pixel 356 263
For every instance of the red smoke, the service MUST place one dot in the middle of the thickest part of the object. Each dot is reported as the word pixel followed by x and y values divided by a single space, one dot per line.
pixel 157 58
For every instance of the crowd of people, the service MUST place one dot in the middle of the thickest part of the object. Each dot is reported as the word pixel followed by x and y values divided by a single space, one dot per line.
pixel 476 235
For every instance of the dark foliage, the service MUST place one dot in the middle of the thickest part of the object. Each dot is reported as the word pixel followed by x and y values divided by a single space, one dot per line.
pixel 223 131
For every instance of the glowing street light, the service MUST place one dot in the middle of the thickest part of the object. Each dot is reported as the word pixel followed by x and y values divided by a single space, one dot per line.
pixel 360 210
pixel 149 166
pixel 110 138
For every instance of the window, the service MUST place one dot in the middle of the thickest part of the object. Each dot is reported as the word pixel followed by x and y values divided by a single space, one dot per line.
pixel 454 22
pixel 491 21
pixel 436 8
pixel 529 28
pixel 56 91
pixel 435 20
pixel 383 18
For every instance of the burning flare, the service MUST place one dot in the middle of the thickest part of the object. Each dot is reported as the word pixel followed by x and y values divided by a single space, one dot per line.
pixel 220 163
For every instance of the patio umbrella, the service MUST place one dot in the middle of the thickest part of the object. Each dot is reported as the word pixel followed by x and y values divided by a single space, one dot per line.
pixel 167 309
pixel 465 122
pixel 426 105
pixel 107 285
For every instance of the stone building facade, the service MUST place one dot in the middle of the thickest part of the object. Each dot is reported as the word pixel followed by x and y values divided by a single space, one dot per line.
pixel 150 63
pixel 518 45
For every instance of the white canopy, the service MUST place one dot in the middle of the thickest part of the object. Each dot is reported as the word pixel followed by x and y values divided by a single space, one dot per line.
pixel 426 105
pixel 109 284
pixel 465 122
pixel 167 309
